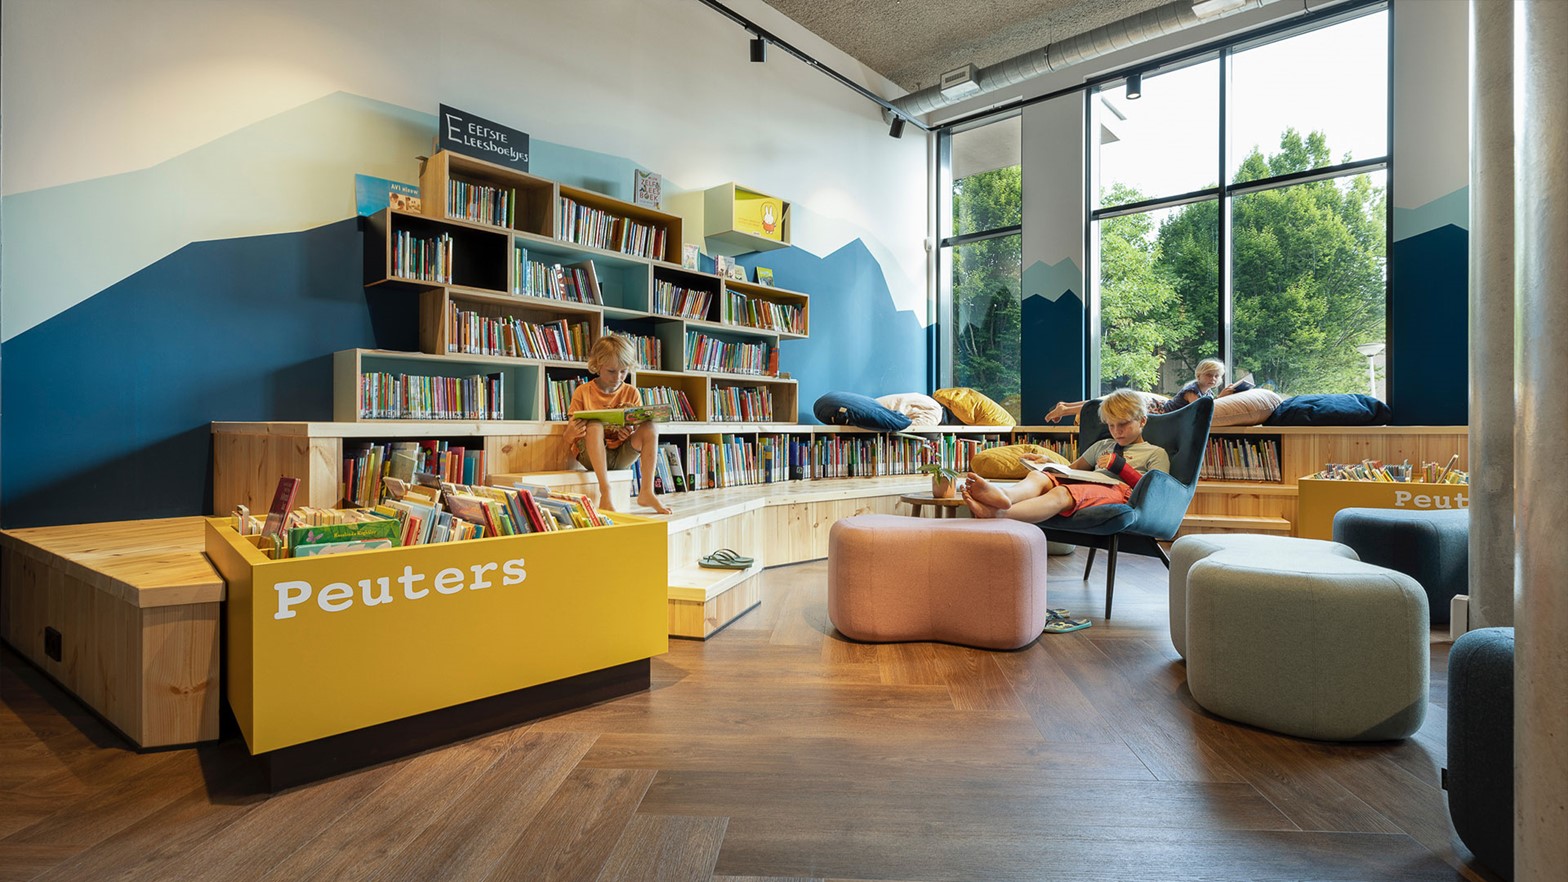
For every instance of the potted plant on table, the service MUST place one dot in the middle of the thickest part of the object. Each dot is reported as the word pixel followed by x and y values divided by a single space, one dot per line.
pixel 943 480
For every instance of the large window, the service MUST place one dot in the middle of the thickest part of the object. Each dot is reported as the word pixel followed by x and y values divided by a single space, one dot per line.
pixel 1278 265
pixel 981 261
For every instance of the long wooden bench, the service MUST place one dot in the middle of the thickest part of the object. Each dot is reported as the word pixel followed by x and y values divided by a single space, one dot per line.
pixel 123 615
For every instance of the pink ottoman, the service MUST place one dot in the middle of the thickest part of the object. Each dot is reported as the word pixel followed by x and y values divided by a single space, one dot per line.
pixel 974 582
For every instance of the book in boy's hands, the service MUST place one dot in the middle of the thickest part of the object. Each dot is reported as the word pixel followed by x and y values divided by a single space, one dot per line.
pixel 628 416
pixel 1059 471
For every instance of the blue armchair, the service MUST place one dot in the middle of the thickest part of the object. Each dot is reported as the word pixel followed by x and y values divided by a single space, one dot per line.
pixel 1154 512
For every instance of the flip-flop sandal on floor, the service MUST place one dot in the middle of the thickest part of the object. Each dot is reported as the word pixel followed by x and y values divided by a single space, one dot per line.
pixel 1059 625
pixel 715 562
pixel 732 556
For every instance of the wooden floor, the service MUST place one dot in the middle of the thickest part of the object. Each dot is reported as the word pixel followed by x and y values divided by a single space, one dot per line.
pixel 776 749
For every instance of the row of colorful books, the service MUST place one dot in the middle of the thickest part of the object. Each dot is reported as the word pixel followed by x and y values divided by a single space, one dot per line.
pixel 422 516
pixel 1242 459
pixel 367 465
pixel 425 259
pixel 584 225
pixel 650 352
pixel 387 396
pixel 766 315
pixel 752 404
pixel 471 333
pixel 769 458
pixel 558 395
pixel 575 283
pixel 705 353
pixel 681 302
pixel 959 453
pixel 1376 471
pixel 480 204
pixel 671 397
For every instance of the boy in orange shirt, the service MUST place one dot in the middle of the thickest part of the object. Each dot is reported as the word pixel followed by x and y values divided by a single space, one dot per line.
pixel 613 447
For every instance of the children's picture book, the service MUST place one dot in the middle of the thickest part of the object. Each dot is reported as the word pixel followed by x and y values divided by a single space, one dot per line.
pixel 764 276
pixel 647 187
pixel 628 416
pixel 1068 474
pixel 342 547
pixel 282 504
pixel 735 272
pixel 328 534
pixel 722 264
pixel 691 257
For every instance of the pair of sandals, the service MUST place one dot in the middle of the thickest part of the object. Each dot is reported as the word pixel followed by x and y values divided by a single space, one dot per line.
pixel 1060 621
pixel 725 559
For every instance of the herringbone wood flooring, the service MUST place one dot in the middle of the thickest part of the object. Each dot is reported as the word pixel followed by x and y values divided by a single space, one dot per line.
pixel 775 750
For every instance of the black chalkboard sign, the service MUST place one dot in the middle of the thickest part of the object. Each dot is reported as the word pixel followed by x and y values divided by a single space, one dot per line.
pixel 471 135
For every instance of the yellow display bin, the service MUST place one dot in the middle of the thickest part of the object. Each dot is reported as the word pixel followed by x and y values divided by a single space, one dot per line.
pixel 320 646
pixel 1318 500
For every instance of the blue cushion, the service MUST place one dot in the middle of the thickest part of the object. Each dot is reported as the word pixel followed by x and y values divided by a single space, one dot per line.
pixel 850 409
pixel 1345 409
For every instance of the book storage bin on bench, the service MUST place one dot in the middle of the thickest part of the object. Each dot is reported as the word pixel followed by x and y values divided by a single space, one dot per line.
pixel 124 616
pixel 340 661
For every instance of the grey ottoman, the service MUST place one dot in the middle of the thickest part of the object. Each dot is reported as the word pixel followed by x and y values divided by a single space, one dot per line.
pixel 1308 644
pixel 1432 547
pixel 1188 550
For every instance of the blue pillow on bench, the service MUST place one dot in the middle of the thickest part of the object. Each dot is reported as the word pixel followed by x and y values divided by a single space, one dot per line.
pixel 850 409
pixel 1343 409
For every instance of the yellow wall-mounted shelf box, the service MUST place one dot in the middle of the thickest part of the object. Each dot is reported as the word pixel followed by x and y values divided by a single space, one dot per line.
pixel 1320 499
pixel 319 646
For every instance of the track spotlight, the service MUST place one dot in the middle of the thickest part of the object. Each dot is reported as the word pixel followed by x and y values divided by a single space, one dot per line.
pixel 896 130
pixel 1134 86
pixel 759 50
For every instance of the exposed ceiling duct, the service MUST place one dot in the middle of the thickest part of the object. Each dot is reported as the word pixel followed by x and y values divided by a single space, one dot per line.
pixel 1131 31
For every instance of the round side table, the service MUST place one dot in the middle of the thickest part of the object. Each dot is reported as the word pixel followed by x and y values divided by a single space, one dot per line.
pixel 945 508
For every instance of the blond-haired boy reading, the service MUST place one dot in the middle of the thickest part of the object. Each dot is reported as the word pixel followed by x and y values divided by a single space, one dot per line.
pixel 1124 456
pixel 606 447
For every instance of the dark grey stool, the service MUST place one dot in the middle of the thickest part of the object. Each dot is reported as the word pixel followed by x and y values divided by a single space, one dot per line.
pixel 1480 773
pixel 1432 547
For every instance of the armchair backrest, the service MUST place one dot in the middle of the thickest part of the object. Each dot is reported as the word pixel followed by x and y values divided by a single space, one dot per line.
pixel 1184 434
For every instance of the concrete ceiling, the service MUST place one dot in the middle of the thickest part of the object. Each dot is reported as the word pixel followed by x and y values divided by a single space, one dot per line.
pixel 912 42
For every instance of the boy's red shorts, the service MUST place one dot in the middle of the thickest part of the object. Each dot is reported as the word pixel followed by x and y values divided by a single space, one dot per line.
pixel 1090 495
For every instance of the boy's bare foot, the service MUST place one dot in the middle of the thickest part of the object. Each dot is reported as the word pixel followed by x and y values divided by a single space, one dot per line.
pixel 604 503
pixel 651 501
pixel 976 508
pixel 986 493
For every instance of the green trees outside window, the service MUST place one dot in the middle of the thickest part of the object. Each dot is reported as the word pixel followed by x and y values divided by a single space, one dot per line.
pixel 1307 279
pixel 987 305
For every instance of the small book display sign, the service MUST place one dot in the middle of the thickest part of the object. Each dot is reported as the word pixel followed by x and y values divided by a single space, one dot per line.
pixel 472 135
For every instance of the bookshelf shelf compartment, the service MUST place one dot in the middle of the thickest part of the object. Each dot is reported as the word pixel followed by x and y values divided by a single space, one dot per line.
pixel 478 255
pixel 535 196
pixel 521 382
pixel 623 279
pixel 651 218
pixel 733 220
pixel 583 324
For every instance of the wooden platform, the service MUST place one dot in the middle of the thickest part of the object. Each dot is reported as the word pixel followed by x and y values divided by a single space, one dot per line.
pixel 123 615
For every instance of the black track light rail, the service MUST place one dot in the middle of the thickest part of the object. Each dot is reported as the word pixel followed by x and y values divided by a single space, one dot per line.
pixel 759 31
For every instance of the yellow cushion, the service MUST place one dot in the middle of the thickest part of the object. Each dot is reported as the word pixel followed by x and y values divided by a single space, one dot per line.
pixel 972 408
pixel 1006 463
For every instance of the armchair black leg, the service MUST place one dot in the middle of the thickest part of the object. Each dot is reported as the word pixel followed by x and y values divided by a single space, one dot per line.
pixel 1090 565
pixel 1110 579
pixel 1164 558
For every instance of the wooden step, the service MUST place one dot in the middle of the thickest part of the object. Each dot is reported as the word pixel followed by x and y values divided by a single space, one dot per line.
pixel 1213 523
pixel 702 601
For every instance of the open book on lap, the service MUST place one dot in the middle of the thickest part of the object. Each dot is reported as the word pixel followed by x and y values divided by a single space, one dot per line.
pixel 1063 473
pixel 627 416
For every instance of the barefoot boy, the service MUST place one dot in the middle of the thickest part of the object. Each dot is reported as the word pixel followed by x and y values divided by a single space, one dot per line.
pixel 613 447
pixel 1124 456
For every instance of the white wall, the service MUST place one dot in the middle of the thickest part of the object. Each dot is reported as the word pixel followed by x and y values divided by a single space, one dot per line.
pixel 171 121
